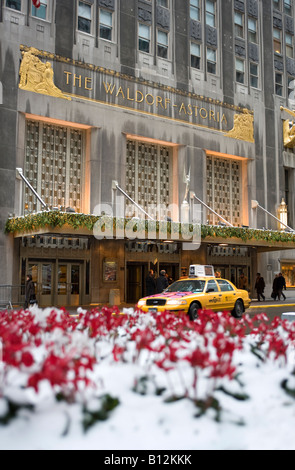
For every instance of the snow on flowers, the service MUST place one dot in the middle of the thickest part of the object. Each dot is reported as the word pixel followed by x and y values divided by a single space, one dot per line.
pixel 172 357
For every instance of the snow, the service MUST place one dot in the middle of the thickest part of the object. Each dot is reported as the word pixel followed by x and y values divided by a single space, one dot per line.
pixel 144 420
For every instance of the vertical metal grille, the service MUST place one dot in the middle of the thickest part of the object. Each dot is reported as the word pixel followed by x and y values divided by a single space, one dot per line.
pixel 147 177
pixel 54 157
pixel 224 190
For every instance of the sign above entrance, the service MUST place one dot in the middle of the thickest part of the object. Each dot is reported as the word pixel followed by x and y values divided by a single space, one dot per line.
pixel 97 84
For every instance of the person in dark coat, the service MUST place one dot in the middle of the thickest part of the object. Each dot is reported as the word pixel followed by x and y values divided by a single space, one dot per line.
pixel 162 282
pixel 260 286
pixel 281 286
pixel 30 295
pixel 150 283
pixel 275 287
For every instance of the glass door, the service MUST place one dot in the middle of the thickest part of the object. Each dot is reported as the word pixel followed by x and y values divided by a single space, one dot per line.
pixel 69 284
pixel 42 278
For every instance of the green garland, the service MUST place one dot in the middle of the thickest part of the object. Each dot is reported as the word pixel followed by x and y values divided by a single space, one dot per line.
pixel 56 219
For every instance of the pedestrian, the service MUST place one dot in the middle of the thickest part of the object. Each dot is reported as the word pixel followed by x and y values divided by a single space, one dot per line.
pixel 162 282
pixel 260 286
pixel 243 282
pixel 30 295
pixel 217 274
pixel 281 286
pixel 150 283
pixel 275 287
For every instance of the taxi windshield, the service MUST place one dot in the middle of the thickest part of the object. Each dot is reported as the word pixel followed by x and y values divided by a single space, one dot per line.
pixel 193 286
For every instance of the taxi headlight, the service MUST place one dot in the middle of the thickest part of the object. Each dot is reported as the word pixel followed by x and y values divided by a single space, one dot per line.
pixel 176 302
pixel 141 303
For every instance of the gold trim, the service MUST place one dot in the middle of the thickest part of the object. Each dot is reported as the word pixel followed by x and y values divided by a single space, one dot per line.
pixel 288 129
pixel 36 76
pixel 243 127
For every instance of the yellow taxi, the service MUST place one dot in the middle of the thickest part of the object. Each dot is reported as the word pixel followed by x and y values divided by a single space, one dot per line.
pixel 201 290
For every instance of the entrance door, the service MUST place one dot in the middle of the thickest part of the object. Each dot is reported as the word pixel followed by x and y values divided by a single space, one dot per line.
pixel 42 278
pixel 68 284
pixel 136 274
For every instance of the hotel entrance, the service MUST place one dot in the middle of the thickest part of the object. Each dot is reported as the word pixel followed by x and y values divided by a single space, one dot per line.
pixel 69 284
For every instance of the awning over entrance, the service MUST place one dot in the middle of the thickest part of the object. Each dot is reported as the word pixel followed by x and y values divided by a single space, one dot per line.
pixel 101 227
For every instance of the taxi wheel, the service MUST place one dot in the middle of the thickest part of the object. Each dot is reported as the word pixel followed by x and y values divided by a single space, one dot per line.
pixel 238 310
pixel 193 311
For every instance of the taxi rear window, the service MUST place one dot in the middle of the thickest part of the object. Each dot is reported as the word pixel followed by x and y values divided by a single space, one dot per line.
pixel 193 286
pixel 224 286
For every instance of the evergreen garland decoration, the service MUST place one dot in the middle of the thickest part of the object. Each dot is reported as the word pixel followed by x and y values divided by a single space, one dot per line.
pixel 57 219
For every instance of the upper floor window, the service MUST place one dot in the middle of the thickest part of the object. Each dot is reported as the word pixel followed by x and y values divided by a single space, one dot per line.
pixel 195 55
pixel 239 24
pixel 162 44
pixel 277 41
pixel 144 38
pixel 14 4
pixel 195 10
pixel 253 75
pixel 210 13
pixel 289 45
pixel 279 84
pixel 240 71
pixel 211 60
pixel 40 12
pixel 252 30
pixel 105 24
pixel 277 4
pixel 84 17
pixel 288 7
pixel 163 3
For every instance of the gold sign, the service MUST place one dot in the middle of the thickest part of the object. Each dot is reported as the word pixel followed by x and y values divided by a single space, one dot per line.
pixel 111 88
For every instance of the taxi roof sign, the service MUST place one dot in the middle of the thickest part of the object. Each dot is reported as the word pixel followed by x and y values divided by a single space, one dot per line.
pixel 200 270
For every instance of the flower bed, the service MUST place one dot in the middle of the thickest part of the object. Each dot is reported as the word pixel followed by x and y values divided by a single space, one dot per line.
pixel 158 379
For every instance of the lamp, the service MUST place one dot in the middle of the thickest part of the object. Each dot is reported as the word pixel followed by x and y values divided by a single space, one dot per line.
pixel 283 214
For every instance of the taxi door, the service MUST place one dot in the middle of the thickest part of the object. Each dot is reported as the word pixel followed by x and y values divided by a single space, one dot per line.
pixel 213 296
pixel 228 294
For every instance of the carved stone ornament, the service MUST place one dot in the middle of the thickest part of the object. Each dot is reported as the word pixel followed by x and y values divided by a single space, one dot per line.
pixel 243 127
pixel 37 76
pixel 289 129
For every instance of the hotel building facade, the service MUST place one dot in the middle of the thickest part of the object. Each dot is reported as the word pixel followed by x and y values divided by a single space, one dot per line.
pixel 183 106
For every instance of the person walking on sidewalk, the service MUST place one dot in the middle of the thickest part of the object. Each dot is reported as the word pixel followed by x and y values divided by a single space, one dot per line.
pixel 260 286
pixel 275 287
pixel 281 286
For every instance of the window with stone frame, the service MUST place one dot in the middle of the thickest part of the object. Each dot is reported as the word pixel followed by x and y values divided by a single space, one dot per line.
pixel 224 190
pixel 14 4
pixel 54 157
pixel 85 17
pixel 148 174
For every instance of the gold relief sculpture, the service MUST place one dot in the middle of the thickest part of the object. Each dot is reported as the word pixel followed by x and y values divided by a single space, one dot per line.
pixel 243 127
pixel 37 76
pixel 289 129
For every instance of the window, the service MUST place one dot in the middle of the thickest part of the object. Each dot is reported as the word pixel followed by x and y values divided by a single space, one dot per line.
pixel 163 3
pixel 239 24
pixel 224 285
pixel 253 75
pixel 224 189
pixel 289 45
pixel 195 11
pixel 148 170
pixel 105 24
pixel 277 4
pixel 240 71
pixel 162 44
pixel 252 30
pixel 84 17
pixel 279 84
pixel 210 13
pixel 211 286
pixel 195 55
pixel 144 37
pixel 40 12
pixel 14 4
pixel 211 60
pixel 54 165
pixel 277 42
pixel 288 7
pixel 291 88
